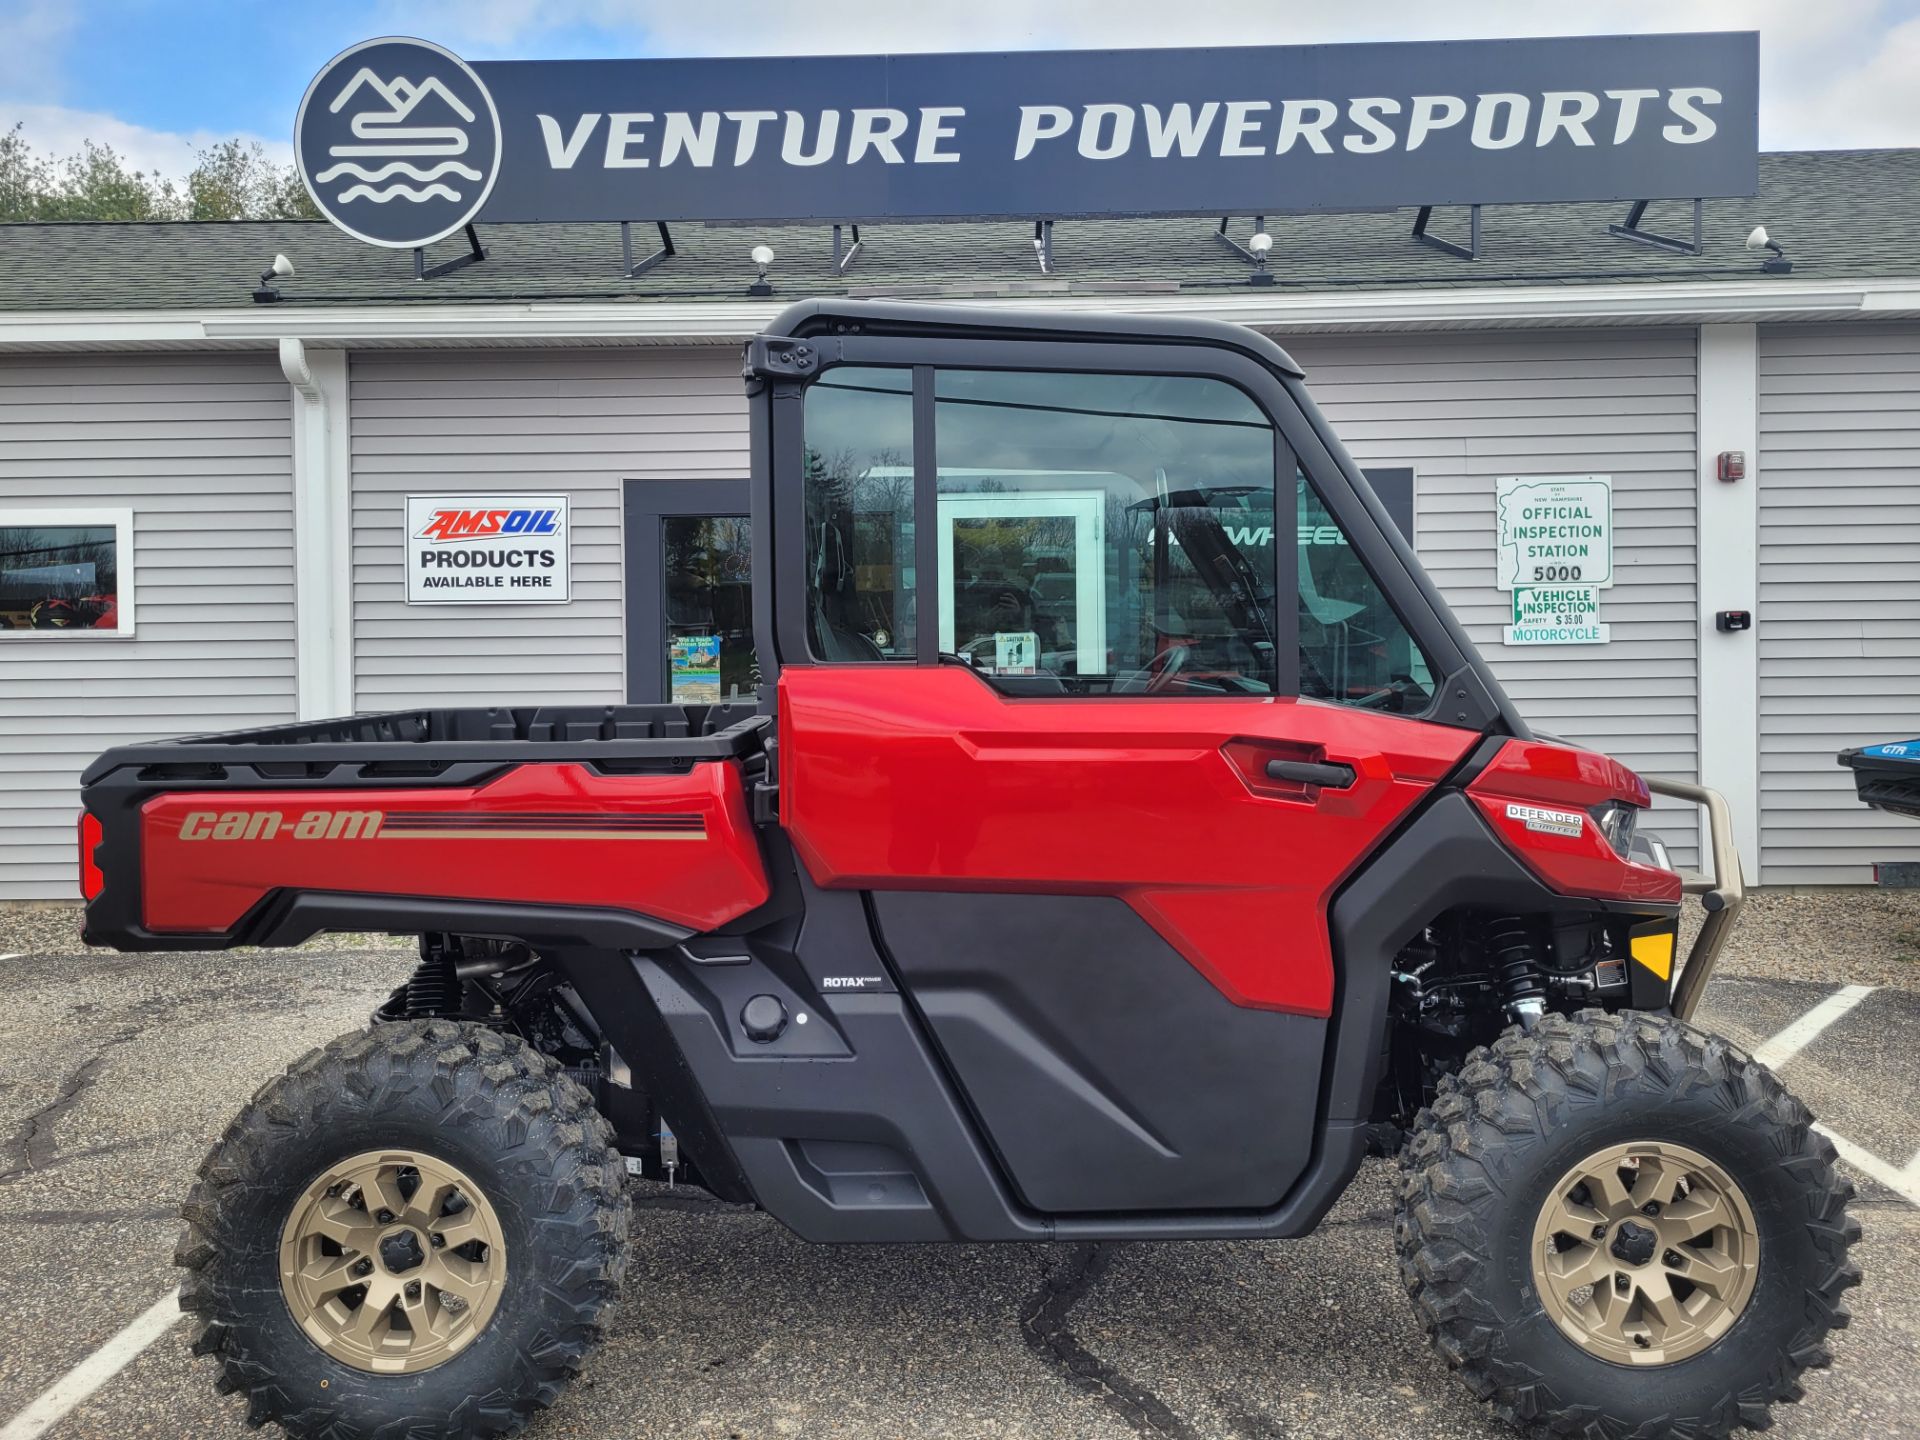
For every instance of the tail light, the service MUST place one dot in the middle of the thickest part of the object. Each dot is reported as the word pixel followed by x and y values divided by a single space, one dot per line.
pixel 92 882
pixel 1569 815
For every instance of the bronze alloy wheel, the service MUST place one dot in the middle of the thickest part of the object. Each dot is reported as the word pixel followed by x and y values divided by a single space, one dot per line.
pixel 1645 1253
pixel 392 1261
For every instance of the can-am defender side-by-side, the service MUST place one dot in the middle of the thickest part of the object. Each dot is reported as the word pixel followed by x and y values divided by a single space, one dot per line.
pixel 1124 836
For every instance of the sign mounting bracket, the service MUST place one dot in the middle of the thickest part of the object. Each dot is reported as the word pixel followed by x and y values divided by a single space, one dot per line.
pixel 1632 231
pixel 635 269
pixel 1259 224
pixel 421 271
pixel 1043 245
pixel 1469 251
pixel 843 259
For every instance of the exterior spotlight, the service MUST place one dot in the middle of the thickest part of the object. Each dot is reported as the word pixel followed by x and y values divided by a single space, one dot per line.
pixel 280 269
pixel 762 256
pixel 1261 245
pixel 1776 262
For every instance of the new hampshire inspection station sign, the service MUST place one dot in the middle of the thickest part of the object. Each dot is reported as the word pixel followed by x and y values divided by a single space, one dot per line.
pixel 402 143
pixel 1555 556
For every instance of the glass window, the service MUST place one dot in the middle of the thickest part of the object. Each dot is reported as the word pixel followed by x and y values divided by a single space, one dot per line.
pixel 1106 534
pixel 1354 649
pixel 60 572
pixel 708 566
pixel 859 504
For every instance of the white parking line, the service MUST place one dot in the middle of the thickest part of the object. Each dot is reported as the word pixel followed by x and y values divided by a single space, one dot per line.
pixel 1789 1043
pixel 1904 1183
pixel 1800 1034
pixel 12 957
pixel 91 1373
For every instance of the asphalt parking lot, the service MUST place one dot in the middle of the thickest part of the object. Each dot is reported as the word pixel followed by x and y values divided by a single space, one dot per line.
pixel 116 1073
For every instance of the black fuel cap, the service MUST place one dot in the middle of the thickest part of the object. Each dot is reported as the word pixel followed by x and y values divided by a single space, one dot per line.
pixel 763 1018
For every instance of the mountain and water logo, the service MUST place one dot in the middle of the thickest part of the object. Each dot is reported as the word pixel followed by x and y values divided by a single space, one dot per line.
pixel 398 142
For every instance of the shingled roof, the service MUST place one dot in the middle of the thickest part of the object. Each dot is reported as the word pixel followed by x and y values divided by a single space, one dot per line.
pixel 1840 215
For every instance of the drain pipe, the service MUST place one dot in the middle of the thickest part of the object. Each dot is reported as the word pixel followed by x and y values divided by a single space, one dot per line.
pixel 322 600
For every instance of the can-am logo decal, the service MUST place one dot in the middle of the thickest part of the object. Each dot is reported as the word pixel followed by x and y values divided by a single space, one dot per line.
pixel 1548 822
pixel 445 525
pixel 267 824
pixel 398 142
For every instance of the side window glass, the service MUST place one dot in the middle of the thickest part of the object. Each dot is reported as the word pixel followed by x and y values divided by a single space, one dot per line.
pixel 1354 649
pixel 859 505
pixel 1105 534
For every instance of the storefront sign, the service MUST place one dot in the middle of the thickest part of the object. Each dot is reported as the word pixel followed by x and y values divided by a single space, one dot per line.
pixel 1554 530
pixel 1556 615
pixel 487 549
pixel 401 143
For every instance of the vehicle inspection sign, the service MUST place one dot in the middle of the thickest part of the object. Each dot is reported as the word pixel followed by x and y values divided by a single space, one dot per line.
pixel 1556 615
pixel 487 549
pixel 1554 530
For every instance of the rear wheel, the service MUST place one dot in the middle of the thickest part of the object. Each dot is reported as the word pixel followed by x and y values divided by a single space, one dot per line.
pixel 1618 1225
pixel 414 1231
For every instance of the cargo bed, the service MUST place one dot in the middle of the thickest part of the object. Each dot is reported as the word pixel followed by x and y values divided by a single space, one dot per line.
pixel 477 820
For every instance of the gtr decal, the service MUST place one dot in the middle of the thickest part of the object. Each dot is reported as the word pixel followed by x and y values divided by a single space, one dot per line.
pixel 455 524
pixel 266 824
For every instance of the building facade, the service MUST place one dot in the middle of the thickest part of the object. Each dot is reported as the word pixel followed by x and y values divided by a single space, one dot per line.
pixel 258 459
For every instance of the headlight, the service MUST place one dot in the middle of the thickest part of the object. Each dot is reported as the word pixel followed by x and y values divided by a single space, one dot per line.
pixel 1616 820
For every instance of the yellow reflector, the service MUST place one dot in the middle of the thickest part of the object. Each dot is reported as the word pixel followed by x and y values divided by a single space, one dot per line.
pixel 1655 952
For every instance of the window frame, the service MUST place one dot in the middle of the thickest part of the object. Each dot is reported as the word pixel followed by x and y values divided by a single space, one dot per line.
pixel 926 356
pixel 120 517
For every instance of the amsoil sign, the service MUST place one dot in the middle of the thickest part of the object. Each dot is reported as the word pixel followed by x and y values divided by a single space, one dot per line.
pixel 401 142
pixel 487 549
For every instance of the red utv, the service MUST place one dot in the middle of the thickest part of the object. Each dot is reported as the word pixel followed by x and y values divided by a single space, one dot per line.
pixel 1144 927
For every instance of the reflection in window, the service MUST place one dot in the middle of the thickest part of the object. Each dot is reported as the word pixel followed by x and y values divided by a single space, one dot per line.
pixel 59 576
pixel 1106 534
pixel 859 506
pixel 1353 647
pixel 709 577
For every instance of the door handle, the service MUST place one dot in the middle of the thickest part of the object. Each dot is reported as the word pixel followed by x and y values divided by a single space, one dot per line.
pixel 1311 772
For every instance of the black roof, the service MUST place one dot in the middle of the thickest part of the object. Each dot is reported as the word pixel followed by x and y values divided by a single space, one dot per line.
pixel 1840 214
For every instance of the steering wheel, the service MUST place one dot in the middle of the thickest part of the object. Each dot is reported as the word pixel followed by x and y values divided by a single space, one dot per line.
pixel 1165 666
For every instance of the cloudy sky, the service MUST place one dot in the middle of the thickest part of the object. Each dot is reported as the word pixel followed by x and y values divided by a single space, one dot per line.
pixel 159 78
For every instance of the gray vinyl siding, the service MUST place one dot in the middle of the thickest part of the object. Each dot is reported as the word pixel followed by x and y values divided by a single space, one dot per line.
pixel 1463 410
pixel 1839 601
pixel 575 422
pixel 199 447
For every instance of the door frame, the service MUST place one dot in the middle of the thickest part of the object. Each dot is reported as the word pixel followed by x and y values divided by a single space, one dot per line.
pixel 644 505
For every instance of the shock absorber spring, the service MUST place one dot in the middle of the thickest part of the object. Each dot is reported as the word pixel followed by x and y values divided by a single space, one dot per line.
pixel 433 988
pixel 1515 957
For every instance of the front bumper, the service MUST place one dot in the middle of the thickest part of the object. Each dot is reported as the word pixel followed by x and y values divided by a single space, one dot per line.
pixel 1721 890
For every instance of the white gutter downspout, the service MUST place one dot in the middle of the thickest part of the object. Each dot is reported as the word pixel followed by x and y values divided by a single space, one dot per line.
pixel 323 584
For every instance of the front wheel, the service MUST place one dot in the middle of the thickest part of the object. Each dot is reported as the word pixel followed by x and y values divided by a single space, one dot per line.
pixel 1619 1225
pixel 413 1231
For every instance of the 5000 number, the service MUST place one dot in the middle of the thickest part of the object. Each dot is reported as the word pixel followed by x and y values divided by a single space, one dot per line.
pixel 1555 573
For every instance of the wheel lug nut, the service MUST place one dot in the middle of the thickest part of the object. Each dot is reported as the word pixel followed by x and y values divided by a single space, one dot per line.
pixel 413 1289
pixel 1673 1259
pixel 385 1217
pixel 1599 1232
pixel 439 1242
pixel 365 1267
pixel 1652 1207
pixel 1622 1284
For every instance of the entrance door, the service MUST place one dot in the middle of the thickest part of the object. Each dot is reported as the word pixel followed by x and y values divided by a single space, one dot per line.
pixel 689 563
pixel 1023 577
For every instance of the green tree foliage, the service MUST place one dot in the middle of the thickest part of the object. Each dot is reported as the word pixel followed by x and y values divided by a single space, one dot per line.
pixel 234 180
